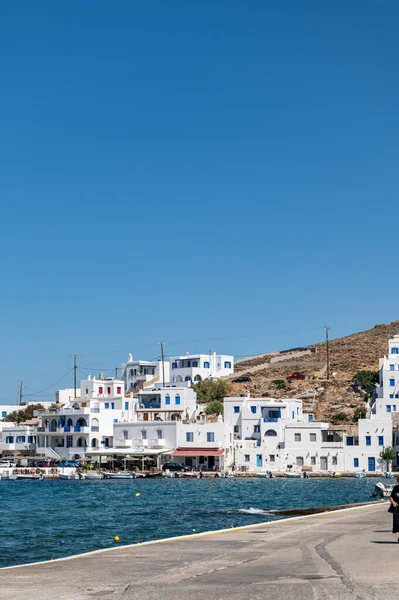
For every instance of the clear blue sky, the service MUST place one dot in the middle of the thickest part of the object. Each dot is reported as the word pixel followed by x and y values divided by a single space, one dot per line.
pixel 221 174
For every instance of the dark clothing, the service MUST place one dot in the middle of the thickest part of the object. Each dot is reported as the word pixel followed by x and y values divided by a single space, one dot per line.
pixel 395 516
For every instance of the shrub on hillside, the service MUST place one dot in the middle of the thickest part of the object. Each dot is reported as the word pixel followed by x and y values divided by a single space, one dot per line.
pixel 209 389
pixel 214 407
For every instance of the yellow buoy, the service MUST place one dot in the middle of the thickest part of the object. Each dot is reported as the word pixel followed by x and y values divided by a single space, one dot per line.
pixel 116 538
pixel 137 494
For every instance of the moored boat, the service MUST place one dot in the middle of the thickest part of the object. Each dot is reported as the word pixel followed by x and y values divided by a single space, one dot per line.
pixel 117 475
pixel 381 490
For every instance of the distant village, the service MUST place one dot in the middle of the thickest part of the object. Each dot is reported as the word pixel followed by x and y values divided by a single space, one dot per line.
pixel 151 416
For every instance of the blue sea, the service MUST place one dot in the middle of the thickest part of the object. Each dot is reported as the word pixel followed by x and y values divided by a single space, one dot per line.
pixel 86 515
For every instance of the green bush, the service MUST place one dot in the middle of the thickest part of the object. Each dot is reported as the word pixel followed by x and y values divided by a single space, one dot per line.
pixel 208 390
pixel 341 416
pixel 214 407
pixel 280 384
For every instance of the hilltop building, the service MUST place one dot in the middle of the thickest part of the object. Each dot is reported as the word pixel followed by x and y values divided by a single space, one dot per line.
pixel 196 367
pixel 138 374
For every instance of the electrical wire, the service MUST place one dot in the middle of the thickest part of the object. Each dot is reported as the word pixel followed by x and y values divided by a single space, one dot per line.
pixel 52 385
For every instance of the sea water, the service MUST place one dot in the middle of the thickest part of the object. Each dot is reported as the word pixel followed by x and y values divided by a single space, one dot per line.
pixel 36 516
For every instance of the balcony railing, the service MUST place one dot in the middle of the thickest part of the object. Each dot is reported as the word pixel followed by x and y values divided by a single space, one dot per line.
pixel 270 420
pixel 150 406
pixel 95 410
pixel 95 428
pixel 156 443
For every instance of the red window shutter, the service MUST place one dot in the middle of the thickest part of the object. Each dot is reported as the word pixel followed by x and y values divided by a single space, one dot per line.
pixel 100 390
pixel 109 391
pixel 118 390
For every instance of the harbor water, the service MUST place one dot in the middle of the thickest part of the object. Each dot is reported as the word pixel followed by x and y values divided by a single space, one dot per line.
pixel 41 520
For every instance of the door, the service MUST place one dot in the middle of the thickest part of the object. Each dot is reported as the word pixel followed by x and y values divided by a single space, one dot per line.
pixel 258 460
pixel 323 463
pixel 211 462
pixel 371 463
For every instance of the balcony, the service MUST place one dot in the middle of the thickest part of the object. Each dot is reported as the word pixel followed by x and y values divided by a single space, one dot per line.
pixel 270 420
pixel 150 406
pixel 157 443
pixel 124 443
pixel 95 428
pixel 67 429
pixel 63 411
pixel 140 442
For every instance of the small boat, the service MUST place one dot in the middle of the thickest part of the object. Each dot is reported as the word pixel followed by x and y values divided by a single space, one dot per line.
pixel 389 475
pixel 118 475
pixel 7 473
pixel 360 474
pixel 68 476
pixel 381 490
pixel 293 475
pixel 91 475
pixel 267 475
pixel 29 476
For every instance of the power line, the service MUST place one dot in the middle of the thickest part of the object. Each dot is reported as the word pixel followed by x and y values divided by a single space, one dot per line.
pixel 52 385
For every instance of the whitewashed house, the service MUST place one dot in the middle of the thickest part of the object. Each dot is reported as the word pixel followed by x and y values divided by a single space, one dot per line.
pixel 386 399
pixel 138 374
pixel 196 367
pixel 17 439
pixel 86 422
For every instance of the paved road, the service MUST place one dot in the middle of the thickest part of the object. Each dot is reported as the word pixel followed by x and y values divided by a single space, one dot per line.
pixel 344 555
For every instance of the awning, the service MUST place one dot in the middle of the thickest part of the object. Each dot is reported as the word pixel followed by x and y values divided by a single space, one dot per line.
pixel 197 452
pixel 127 452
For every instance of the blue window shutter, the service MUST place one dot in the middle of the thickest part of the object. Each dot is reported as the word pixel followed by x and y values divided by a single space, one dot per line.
pixel 394 407
pixel 392 382
pixel 355 462
pixel 126 405
pixel 388 408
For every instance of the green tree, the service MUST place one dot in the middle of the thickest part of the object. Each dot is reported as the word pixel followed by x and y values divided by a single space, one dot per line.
pixel 209 389
pixel 388 455
pixel 214 407
pixel 19 416
pixel 280 384
pixel 360 413
pixel 366 380
pixel 341 416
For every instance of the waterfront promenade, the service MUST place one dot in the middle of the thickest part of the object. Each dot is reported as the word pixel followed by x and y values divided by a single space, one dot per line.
pixel 348 554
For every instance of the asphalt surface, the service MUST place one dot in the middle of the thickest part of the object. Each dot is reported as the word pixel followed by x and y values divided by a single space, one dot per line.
pixel 349 554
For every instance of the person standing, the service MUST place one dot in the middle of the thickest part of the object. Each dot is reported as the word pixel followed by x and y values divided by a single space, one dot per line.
pixel 394 500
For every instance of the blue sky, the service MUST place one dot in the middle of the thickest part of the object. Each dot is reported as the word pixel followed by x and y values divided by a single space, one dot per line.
pixel 218 174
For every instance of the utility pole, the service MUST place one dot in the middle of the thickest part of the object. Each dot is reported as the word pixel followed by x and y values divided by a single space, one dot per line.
pixel 20 394
pixel 116 372
pixel 163 362
pixel 75 368
pixel 328 354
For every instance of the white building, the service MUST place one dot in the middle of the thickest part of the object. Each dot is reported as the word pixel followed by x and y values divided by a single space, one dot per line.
pixel 196 367
pixel 85 422
pixel 138 374
pixel 67 395
pixel 6 409
pixel 165 422
pixel 387 392
pixel 17 439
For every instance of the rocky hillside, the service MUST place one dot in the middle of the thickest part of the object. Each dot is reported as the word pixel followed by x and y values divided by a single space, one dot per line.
pixel 348 355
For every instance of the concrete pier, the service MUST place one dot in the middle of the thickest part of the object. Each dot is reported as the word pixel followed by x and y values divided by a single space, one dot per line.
pixel 348 554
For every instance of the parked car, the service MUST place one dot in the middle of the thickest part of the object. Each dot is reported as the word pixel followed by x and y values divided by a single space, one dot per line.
pixel 242 380
pixel 296 375
pixel 173 466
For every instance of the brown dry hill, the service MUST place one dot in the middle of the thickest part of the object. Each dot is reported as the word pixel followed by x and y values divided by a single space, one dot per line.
pixel 348 355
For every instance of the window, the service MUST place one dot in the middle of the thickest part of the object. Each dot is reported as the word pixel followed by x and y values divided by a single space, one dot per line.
pixel 119 390
pixel 312 460
pixel 106 442
pixel 312 437
pixel 126 405
pixel 391 367
pixel 115 420
pixel 236 429
pixel 396 395
pixel 30 439
pixel 349 440
pixel 392 382
pixel 3 414
pixel 256 428
pixel 143 434
pixel 271 433
pixel 393 407
pixel 159 434
pixel 131 372
pixel 112 405
pixel 368 440
pixel 293 414
pixel 167 399
pixel 108 391
pixel 380 440
pixel 299 461
pixel 297 437
pixel 210 436
pixel 388 408
pixel 177 399
pixel 125 434
pixel 272 458
pixel 227 364
pixel 87 391
pixel 334 460
pixel 253 409
pixel 246 457
pixel 394 350
pixel 9 439
pixel 100 390
pixel 391 396
pixel 189 436
pixel 106 404
pixel 355 462
pixel 207 365
pixel 69 441
pixel 21 439
pixel 195 363
pixel 310 418
pixel 236 409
